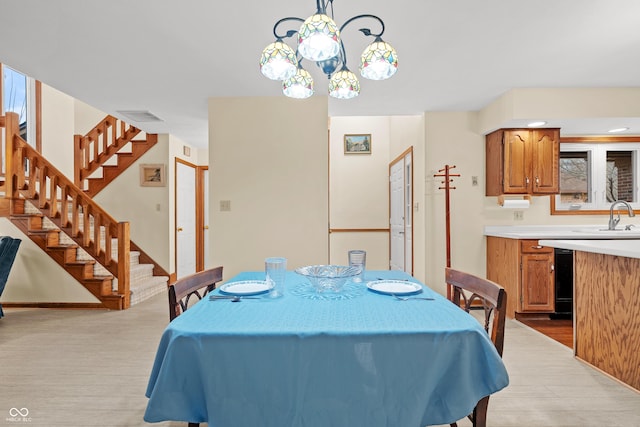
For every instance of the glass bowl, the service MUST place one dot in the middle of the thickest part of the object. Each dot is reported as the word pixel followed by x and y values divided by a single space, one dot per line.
pixel 328 278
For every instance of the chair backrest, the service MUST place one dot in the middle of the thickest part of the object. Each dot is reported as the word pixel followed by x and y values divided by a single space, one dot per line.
pixel 195 285
pixel 468 289
pixel 8 250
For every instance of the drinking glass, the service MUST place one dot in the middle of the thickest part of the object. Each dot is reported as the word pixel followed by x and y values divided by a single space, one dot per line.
pixel 275 271
pixel 358 258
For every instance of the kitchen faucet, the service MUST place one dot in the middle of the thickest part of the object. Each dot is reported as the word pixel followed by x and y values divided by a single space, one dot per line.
pixel 614 222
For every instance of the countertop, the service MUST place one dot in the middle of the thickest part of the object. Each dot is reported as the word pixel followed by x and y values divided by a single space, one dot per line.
pixel 586 238
pixel 563 232
pixel 625 248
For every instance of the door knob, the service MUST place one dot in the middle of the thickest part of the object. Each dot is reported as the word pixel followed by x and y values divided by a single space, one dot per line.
pixel 179 228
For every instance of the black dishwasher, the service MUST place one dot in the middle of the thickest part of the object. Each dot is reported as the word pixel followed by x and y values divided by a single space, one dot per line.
pixel 564 284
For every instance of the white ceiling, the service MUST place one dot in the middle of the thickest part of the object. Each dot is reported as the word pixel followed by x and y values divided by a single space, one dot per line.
pixel 169 57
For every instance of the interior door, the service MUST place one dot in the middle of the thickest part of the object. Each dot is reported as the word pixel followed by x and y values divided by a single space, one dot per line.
pixel 185 236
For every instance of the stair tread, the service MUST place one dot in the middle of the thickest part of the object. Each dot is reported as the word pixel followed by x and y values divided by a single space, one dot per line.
pixel 81 262
pixel 26 215
pixel 141 267
pixel 98 278
pixel 62 247
pixel 44 230
pixel 153 279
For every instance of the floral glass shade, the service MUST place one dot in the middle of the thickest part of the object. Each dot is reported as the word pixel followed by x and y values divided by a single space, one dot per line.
pixel 278 61
pixel 379 61
pixel 299 86
pixel 318 38
pixel 344 85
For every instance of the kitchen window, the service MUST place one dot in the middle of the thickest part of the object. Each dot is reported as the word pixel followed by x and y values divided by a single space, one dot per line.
pixel 596 172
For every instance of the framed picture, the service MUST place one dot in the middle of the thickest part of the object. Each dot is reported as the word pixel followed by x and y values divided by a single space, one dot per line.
pixel 152 175
pixel 357 144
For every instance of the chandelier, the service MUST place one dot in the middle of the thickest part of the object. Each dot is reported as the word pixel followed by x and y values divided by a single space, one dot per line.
pixel 319 41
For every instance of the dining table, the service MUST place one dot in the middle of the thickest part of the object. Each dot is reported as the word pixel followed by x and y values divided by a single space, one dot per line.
pixel 357 357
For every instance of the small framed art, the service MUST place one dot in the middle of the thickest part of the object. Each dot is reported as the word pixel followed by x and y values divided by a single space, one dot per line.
pixel 357 144
pixel 152 175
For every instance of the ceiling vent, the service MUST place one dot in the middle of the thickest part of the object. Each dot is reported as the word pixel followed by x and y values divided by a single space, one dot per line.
pixel 139 116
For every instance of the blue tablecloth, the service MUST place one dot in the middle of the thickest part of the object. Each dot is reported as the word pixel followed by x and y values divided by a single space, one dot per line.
pixel 309 360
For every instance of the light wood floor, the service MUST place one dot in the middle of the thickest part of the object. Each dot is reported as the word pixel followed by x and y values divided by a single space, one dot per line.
pixel 90 368
pixel 560 330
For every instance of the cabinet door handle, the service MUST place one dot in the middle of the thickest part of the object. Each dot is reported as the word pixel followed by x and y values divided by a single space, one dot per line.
pixel 526 180
pixel 553 268
pixel 537 181
pixel 536 247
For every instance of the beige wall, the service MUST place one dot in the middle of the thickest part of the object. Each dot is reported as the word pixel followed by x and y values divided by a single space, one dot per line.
pixel 520 105
pixel 85 117
pixel 269 158
pixel 58 129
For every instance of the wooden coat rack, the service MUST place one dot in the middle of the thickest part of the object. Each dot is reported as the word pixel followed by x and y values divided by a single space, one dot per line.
pixel 446 182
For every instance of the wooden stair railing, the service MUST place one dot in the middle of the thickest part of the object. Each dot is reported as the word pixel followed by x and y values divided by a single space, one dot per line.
pixel 99 145
pixel 30 176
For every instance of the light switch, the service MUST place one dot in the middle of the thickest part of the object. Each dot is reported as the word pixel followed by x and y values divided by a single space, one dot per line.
pixel 225 205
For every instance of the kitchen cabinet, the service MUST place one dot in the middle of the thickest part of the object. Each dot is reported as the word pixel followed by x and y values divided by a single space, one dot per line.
pixel 522 161
pixel 526 271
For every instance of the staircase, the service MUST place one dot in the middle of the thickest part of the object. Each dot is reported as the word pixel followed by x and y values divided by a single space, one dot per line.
pixel 67 254
pixel 94 152
pixel 77 262
pixel 69 226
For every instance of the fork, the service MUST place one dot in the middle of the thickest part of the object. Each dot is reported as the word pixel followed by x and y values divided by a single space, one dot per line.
pixel 410 298
pixel 232 298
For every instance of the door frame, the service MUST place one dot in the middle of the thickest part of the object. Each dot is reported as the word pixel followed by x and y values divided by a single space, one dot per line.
pixel 199 213
pixel 201 221
pixel 402 158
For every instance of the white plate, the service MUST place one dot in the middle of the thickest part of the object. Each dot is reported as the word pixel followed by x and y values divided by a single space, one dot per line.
pixel 245 287
pixel 394 287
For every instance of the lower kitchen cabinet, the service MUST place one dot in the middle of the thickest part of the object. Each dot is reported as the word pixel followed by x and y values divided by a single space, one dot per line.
pixel 526 271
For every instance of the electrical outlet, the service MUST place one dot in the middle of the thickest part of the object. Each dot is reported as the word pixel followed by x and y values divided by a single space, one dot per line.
pixel 474 181
pixel 518 215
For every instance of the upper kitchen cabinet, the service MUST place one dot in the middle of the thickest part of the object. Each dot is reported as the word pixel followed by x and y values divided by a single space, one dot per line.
pixel 522 161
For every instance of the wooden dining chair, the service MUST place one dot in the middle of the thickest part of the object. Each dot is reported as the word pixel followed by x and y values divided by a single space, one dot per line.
pixel 195 285
pixel 472 291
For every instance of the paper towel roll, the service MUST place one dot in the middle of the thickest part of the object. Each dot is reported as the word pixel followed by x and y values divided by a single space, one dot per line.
pixel 516 204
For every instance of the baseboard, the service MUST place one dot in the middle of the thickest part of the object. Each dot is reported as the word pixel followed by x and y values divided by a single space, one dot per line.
pixel 66 305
